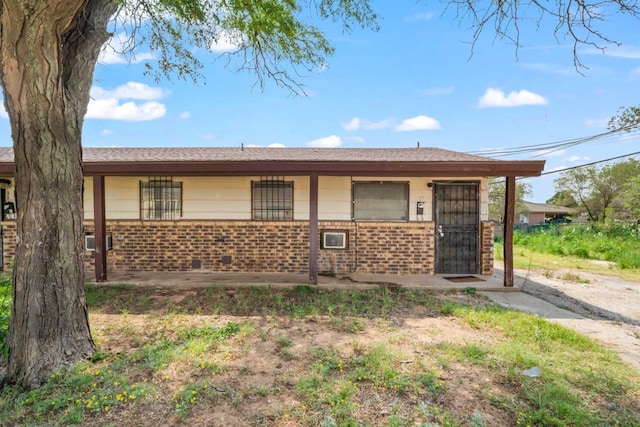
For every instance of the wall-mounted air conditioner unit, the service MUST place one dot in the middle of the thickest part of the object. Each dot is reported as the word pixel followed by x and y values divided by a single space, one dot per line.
pixel 334 239
pixel 90 242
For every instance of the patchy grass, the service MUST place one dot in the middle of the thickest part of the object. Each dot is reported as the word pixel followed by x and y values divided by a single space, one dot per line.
pixel 528 259
pixel 310 357
pixel 618 244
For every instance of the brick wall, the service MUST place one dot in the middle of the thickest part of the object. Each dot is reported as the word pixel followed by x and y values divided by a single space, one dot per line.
pixel 282 246
pixel 252 246
pixel 8 243
pixel 486 248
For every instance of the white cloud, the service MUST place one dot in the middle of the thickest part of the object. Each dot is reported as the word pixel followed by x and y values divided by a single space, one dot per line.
pixel 326 142
pixel 130 90
pixel 357 123
pixel 111 109
pixel 107 104
pixel 185 115
pixel 106 132
pixel 226 42
pixel 3 112
pixel 497 98
pixel 418 123
pixel 574 159
pixel 113 52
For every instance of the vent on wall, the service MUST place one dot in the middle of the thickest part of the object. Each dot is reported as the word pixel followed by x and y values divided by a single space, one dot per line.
pixel 90 243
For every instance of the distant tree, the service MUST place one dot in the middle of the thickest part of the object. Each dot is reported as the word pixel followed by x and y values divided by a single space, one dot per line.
pixel 497 198
pixel 599 192
pixel 631 198
pixel 563 198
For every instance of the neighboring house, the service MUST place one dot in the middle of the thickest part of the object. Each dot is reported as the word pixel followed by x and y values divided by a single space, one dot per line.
pixel 539 213
pixel 315 210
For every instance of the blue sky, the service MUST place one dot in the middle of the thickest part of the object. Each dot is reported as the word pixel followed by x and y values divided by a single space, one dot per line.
pixel 415 80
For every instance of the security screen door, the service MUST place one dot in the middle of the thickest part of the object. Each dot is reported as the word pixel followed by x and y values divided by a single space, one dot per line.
pixel 457 220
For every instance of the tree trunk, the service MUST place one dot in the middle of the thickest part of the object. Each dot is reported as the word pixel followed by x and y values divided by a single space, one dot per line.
pixel 49 50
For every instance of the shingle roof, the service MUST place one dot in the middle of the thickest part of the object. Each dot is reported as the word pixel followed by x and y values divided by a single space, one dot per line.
pixel 425 161
pixel 238 154
pixel 546 208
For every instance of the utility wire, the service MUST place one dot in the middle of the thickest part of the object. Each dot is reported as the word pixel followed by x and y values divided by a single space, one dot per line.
pixel 554 146
pixel 570 168
pixel 591 164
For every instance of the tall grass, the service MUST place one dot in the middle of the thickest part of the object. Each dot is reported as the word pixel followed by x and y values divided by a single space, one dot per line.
pixel 5 312
pixel 619 243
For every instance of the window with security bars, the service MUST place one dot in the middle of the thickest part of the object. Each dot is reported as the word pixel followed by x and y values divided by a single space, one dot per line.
pixel 160 198
pixel 381 201
pixel 272 199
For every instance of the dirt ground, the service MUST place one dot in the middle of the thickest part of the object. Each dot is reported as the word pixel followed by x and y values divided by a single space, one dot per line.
pixel 411 331
pixel 607 308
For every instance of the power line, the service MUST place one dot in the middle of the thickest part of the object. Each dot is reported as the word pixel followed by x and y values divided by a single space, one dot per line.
pixel 591 164
pixel 550 147
pixel 571 168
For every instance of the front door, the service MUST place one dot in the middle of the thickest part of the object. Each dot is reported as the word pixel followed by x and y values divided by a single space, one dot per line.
pixel 456 211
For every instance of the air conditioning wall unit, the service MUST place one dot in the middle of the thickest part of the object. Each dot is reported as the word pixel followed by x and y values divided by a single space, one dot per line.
pixel 334 239
pixel 90 242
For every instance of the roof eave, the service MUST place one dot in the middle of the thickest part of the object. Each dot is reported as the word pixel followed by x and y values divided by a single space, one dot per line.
pixel 361 168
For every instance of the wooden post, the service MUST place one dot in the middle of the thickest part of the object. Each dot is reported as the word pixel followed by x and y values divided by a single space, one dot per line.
pixel 509 213
pixel 313 229
pixel 100 228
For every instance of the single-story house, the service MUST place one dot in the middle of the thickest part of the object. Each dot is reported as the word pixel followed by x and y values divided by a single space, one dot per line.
pixel 539 213
pixel 315 210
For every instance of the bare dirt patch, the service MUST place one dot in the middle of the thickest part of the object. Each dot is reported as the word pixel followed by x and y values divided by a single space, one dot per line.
pixel 258 383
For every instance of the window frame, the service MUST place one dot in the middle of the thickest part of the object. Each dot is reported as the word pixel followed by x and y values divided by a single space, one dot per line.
pixel 406 192
pixel 264 210
pixel 165 214
pixel 323 240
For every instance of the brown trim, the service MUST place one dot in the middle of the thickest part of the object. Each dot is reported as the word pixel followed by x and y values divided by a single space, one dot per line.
pixel 509 214
pixel 313 228
pixel 100 227
pixel 347 168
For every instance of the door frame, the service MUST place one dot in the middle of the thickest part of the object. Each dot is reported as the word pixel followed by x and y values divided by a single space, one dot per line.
pixel 477 223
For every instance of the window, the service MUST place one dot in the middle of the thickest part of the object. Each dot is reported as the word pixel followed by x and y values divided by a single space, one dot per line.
pixel 160 198
pixel 381 201
pixel 335 239
pixel 272 199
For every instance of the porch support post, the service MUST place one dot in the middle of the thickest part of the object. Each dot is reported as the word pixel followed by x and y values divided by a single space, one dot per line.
pixel 509 213
pixel 100 228
pixel 313 228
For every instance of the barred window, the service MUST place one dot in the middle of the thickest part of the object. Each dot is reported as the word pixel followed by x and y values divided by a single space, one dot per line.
pixel 160 198
pixel 272 199
pixel 381 201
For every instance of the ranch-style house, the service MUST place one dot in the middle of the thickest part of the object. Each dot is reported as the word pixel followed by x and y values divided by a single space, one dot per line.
pixel 298 210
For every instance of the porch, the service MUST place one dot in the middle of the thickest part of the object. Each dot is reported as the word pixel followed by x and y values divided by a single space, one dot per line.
pixel 346 281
